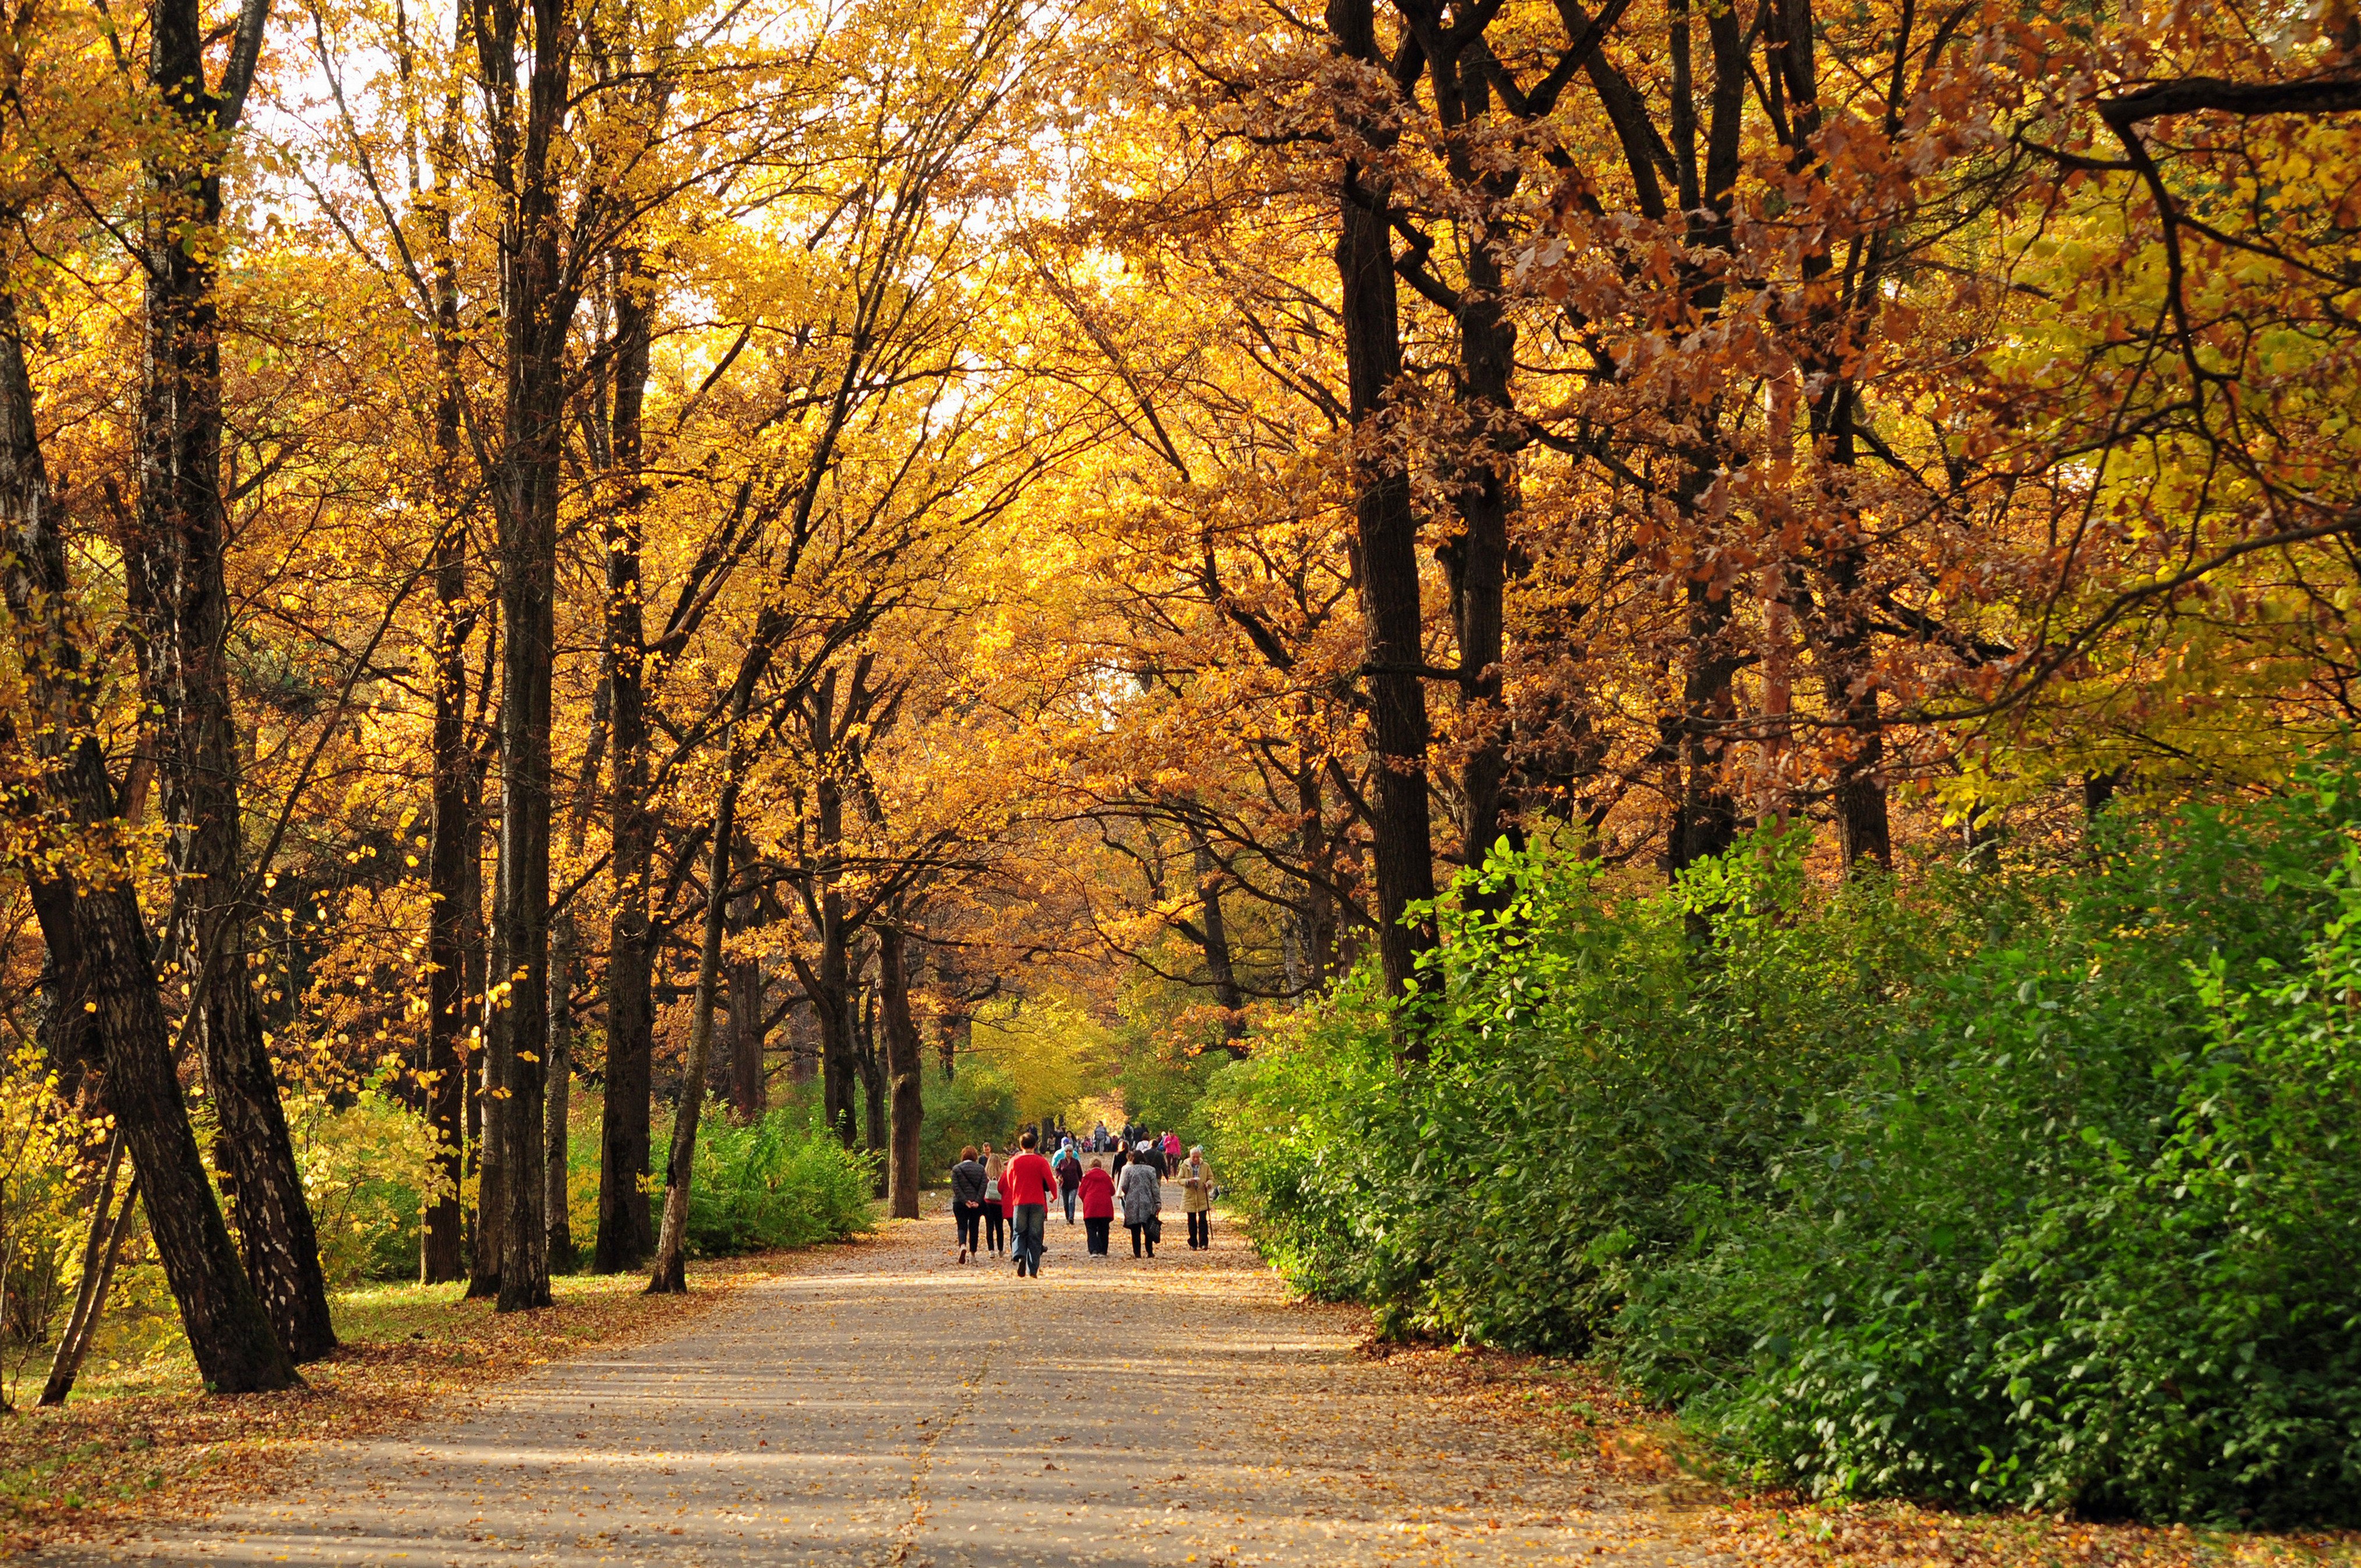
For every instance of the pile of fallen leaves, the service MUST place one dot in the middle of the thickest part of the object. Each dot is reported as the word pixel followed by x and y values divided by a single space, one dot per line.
pixel 1577 1409
pixel 104 1459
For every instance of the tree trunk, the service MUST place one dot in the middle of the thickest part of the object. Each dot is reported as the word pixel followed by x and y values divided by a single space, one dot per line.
pixel 1214 939
pixel 1388 537
pixel 97 930
pixel 491 1148
pixel 180 592
pixel 873 1085
pixel 671 1273
pixel 1479 560
pixel 90 1298
pixel 625 1231
pixel 457 845
pixel 748 1087
pixel 901 1068
pixel 952 1022
pixel 539 311
pixel 557 1093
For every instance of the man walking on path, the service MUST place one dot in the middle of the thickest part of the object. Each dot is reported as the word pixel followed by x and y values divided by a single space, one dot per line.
pixel 1028 1183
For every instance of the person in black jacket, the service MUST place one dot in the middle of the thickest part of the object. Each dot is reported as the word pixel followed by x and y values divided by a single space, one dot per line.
pixel 967 1200
pixel 1069 1167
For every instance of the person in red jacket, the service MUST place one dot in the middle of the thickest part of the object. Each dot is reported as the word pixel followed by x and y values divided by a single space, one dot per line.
pixel 1027 1185
pixel 1098 1207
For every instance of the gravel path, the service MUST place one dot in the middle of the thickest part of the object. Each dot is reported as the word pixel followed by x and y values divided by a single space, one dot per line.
pixel 888 1406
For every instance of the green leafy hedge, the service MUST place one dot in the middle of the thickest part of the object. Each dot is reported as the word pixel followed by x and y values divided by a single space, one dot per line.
pixel 2033 1185
pixel 781 1181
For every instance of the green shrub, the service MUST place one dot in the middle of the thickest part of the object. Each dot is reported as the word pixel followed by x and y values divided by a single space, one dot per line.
pixel 2034 1185
pixel 781 1181
pixel 367 1167
pixel 978 1106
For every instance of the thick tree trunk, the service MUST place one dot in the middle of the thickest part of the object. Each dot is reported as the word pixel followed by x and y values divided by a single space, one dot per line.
pixel 950 1024
pixel 182 538
pixel 557 1095
pixel 748 1087
pixel 624 1230
pixel 1388 536
pixel 540 309
pixel 97 931
pixel 902 1070
pixel 457 845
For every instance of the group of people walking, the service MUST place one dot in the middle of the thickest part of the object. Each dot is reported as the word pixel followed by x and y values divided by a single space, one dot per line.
pixel 1002 1204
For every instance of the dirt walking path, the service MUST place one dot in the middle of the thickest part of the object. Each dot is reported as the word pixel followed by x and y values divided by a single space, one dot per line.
pixel 890 1407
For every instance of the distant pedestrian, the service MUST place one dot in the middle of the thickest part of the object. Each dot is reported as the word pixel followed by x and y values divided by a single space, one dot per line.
pixel 968 1182
pixel 1098 1207
pixel 1197 1198
pixel 1172 1152
pixel 995 1205
pixel 1068 1166
pixel 1028 1183
pixel 1143 1198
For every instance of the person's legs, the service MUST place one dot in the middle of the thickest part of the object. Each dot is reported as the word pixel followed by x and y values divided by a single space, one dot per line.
pixel 964 1214
pixel 1139 1237
pixel 995 1229
pixel 1095 1233
pixel 1031 1217
pixel 1196 1229
pixel 1071 1194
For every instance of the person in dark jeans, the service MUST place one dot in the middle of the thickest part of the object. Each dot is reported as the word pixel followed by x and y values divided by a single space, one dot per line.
pixel 1028 1183
pixel 995 1206
pixel 1069 1165
pixel 967 1200
pixel 1142 1197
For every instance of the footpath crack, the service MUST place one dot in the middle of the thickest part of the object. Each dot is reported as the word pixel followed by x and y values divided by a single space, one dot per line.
pixel 899 1546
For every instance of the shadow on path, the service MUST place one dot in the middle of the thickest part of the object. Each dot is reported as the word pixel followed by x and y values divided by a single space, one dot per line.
pixel 889 1406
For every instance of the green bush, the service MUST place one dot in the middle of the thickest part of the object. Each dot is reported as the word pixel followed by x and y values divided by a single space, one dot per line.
pixel 2034 1186
pixel 781 1181
pixel 978 1106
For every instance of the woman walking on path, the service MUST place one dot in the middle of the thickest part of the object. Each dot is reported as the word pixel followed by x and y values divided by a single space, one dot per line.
pixel 1098 1208
pixel 1068 1166
pixel 995 1205
pixel 1172 1152
pixel 1142 1197
pixel 1197 1198
pixel 967 1200
pixel 1028 1183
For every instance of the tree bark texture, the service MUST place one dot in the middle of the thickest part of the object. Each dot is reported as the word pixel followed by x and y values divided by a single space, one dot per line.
pixel 97 925
pixel 903 1070
pixel 680 1167
pixel 539 307
pixel 181 593
pixel 625 1231
pixel 1387 536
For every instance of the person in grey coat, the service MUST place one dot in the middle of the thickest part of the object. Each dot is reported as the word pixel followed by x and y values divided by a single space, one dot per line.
pixel 968 1179
pixel 1141 1191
